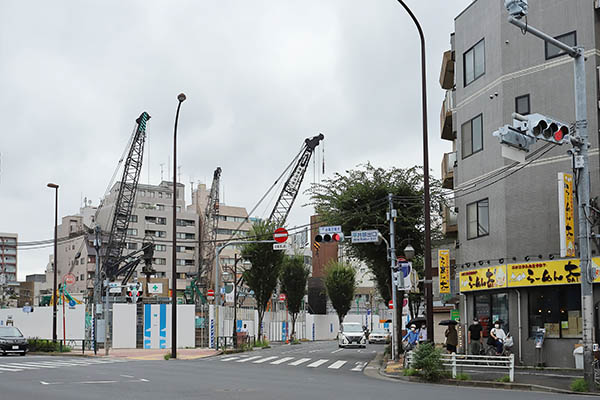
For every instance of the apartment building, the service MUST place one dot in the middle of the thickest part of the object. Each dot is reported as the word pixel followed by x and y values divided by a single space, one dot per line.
pixel 8 257
pixel 503 221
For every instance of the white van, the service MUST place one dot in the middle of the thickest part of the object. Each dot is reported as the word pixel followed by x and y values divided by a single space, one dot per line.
pixel 351 334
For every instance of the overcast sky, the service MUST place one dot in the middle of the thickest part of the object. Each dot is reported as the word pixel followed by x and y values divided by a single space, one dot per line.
pixel 260 76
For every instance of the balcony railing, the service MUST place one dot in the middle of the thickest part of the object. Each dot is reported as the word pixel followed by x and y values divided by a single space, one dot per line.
pixel 449 220
pixel 446 117
pixel 448 164
pixel 447 72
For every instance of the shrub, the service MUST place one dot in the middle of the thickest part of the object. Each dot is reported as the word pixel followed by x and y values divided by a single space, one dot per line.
pixel 46 346
pixel 167 356
pixel 428 359
pixel 262 343
pixel 504 379
pixel 410 372
pixel 579 385
pixel 462 376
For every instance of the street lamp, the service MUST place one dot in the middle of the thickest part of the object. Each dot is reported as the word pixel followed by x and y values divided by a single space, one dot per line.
pixel 181 98
pixel 55 187
pixel 427 249
pixel 409 252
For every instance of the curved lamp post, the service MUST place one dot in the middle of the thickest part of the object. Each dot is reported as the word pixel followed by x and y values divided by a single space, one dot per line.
pixel 427 250
pixel 181 98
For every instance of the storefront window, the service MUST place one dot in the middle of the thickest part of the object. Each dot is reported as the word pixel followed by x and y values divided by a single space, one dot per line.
pixel 556 309
pixel 490 308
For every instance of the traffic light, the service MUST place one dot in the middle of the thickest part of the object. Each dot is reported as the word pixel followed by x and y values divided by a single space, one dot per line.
pixel 133 292
pixel 330 237
pixel 548 129
pixel 395 277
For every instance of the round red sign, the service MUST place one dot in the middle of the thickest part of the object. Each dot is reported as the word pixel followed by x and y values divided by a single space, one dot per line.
pixel 210 293
pixel 69 279
pixel 391 305
pixel 282 297
pixel 280 235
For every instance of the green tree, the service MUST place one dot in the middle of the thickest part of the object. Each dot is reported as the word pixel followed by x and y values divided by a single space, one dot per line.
pixel 340 283
pixel 358 200
pixel 262 276
pixel 294 276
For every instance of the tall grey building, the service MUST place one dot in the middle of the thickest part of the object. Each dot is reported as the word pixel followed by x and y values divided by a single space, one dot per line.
pixel 504 216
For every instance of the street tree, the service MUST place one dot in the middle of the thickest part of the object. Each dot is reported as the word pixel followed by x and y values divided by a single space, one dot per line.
pixel 340 283
pixel 262 276
pixel 358 200
pixel 294 276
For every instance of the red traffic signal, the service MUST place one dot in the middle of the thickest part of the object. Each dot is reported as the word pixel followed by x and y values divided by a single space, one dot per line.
pixel 327 238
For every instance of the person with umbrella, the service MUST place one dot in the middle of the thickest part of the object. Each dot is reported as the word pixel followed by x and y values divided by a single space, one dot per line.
pixel 451 335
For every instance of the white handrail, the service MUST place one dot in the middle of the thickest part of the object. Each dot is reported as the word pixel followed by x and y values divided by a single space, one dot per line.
pixel 474 361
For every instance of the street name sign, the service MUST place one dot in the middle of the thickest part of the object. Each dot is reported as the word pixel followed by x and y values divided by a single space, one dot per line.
pixel 369 236
pixel 323 230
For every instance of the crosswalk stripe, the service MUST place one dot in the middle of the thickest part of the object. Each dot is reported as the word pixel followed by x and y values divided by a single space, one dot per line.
pixel 359 366
pixel 248 359
pixel 10 369
pixel 300 361
pixel 19 366
pixel 35 365
pixel 229 358
pixel 57 363
pixel 262 360
pixel 282 360
pixel 337 364
pixel 317 363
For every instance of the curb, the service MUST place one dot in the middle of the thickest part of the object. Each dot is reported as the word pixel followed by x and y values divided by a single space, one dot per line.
pixel 56 354
pixel 482 384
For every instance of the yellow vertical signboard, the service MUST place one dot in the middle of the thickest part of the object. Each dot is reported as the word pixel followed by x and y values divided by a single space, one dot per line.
pixel 444 270
pixel 566 218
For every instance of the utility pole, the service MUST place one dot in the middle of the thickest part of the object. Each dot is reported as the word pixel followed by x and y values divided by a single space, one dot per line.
pixel 518 9
pixel 97 245
pixel 391 215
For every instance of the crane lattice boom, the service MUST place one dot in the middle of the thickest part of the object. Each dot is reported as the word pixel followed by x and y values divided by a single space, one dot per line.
pixel 209 230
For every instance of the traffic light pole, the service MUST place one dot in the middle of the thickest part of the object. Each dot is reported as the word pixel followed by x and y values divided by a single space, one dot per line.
pixel 580 148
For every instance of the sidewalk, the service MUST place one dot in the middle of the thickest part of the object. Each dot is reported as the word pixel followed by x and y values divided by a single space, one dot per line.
pixel 554 380
pixel 156 354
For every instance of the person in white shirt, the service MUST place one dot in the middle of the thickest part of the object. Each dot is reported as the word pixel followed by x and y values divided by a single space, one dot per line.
pixel 423 334
pixel 498 335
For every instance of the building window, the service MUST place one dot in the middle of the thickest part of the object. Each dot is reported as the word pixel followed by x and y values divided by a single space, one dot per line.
pixel 182 235
pixel 160 247
pixel 159 261
pixel 569 39
pixel 474 62
pixel 133 218
pixel 522 105
pixel 490 308
pixel 478 219
pixel 185 222
pixel 160 195
pixel 132 246
pixel 91 259
pixel 472 136
pixel 131 232
pixel 160 207
pixel 557 309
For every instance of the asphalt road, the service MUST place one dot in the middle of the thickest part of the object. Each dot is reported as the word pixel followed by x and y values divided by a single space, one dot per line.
pixel 261 376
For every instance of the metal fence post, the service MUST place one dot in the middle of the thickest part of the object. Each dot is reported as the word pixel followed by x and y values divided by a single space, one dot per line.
pixel 454 365
pixel 512 368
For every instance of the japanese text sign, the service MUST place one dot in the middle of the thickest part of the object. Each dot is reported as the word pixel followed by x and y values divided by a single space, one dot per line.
pixel 444 270
pixel 566 215
pixel 483 278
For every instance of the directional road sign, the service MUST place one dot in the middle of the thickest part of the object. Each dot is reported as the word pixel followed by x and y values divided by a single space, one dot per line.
pixel 369 236
pixel 280 235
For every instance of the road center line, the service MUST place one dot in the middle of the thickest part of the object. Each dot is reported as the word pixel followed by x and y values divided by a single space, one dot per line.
pixel 317 363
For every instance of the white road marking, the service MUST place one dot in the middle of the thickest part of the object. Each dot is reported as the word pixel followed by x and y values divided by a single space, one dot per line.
pixel 10 369
pixel 336 365
pixel 282 360
pixel 229 358
pixel 93 382
pixel 262 360
pixel 127 376
pixel 22 366
pixel 335 351
pixel 144 380
pixel 314 351
pixel 359 366
pixel 300 361
pixel 317 363
pixel 50 383
pixel 248 359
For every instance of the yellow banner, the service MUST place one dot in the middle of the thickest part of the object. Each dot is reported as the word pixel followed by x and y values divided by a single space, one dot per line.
pixel 558 272
pixel 483 278
pixel 444 270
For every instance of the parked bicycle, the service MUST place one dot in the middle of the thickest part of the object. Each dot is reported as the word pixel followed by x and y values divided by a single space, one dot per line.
pixel 507 345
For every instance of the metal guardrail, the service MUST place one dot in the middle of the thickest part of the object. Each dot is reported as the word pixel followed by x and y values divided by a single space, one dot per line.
pixel 455 361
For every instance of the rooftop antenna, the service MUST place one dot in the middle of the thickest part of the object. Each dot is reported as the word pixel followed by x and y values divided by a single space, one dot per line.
pixel 162 170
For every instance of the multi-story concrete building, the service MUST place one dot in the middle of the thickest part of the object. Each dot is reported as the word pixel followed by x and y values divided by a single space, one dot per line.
pixel 8 257
pixel 505 216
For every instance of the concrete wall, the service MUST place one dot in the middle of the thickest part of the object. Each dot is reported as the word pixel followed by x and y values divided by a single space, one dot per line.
pixel 322 327
pixel 38 324
pixel 124 326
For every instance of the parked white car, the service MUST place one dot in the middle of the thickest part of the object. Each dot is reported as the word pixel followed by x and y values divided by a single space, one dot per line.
pixel 351 334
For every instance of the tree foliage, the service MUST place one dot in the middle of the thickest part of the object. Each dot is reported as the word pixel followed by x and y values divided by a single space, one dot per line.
pixel 294 276
pixel 358 200
pixel 262 276
pixel 340 283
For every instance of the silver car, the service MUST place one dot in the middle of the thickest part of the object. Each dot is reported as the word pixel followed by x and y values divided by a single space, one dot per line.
pixel 379 335
pixel 351 334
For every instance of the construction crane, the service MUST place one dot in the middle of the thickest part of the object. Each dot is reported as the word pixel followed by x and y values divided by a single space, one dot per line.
pixel 294 181
pixel 122 211
pixel 208 237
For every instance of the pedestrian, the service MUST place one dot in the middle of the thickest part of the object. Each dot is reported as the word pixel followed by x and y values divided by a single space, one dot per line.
pixel 451 339
pixel 498 335
pixel 411 337
pixel 422 334
pixel 475 337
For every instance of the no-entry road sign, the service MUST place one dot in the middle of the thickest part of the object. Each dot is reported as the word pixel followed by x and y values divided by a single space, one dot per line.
pixel 210 293
pixel 69 279
pixel 280 235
